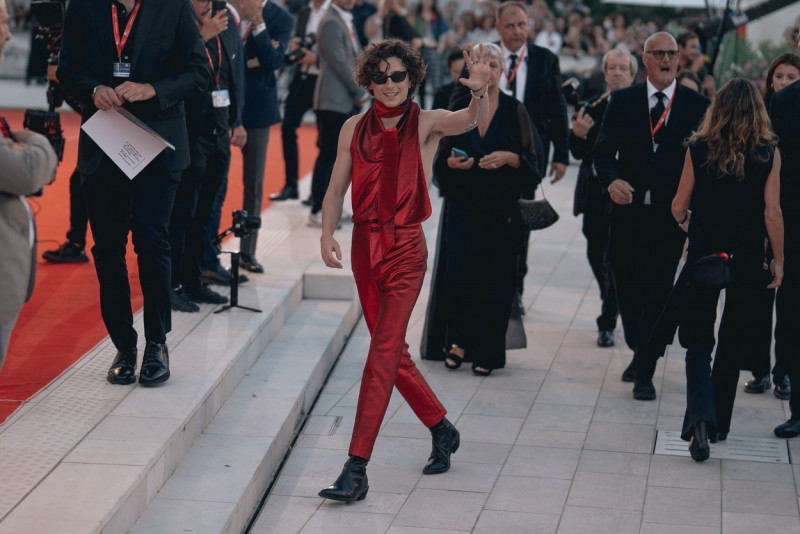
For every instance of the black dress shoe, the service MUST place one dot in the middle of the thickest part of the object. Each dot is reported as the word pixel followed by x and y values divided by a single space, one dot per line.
pixel 644 389
pixel 203 293
pixel 352 484
pixel 789 429
pixel 783 388
pixel 220 276
pixel 155 364
pixel 248 262
pixel 446 440
pixel 307 202
pixel 722 436
pixel 66 253
pixel 179 301
pixel 287 193
pixel 699 448
pixel 628 374
pixel 123 370
pixel 605 338
pixel 757 385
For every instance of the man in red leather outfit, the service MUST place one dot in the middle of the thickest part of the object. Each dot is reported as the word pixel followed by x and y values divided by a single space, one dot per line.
pixel 387 154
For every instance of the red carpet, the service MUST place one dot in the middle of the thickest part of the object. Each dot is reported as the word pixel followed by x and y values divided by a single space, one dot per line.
pixel 62 320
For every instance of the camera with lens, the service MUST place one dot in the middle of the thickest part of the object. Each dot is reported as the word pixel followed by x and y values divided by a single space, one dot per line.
pixel 306 43
pixel 242 223
pixel 47 20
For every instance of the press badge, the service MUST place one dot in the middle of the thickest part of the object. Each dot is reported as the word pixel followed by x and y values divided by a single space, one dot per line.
pixel 220 98
pixel 122 70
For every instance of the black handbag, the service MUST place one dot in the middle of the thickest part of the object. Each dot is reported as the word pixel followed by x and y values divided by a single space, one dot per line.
pixel 714 271
pixel 537 214
pixel 711 272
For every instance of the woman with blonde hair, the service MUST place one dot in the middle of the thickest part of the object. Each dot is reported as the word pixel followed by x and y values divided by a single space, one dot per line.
pixel 731 181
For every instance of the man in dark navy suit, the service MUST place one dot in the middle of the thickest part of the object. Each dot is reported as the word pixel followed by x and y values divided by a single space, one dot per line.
pixel 146 56
pixel 639 157
pixel 785 114
pixel 265 29
pixel 213 116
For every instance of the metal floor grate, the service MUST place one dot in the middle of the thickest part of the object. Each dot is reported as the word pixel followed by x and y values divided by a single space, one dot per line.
pixel 747 448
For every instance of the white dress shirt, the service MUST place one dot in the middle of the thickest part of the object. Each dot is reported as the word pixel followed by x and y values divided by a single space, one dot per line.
pixel 522 71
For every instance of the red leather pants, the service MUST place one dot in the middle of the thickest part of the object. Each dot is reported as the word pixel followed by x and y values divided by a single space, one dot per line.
pixel 388 286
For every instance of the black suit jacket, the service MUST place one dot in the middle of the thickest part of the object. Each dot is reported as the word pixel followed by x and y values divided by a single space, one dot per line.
pixel 543 100
pixel 167 53
pixel 624 147
pixel 785 115
pixel 261 96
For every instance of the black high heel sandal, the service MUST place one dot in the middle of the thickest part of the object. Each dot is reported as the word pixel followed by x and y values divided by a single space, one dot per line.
pixel 452 356
pixel 477 370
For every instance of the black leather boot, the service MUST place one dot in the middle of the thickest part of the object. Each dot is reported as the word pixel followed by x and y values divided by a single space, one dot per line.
pixel 446 440
pixel 155 364
pixel 123 370
pixel 352 484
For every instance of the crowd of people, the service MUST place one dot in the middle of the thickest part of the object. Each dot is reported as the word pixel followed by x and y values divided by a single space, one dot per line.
pixel 204 77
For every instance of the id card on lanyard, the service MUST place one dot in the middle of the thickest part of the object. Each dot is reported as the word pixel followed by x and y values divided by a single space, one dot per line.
pixel 121 69
pixel 220 98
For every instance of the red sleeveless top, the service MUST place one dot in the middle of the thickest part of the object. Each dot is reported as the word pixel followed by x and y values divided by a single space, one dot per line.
pixel 388 179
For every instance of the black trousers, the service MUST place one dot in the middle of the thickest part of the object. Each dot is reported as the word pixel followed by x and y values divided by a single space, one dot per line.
pixel 644 252
pixel 329 124
pixel 298 102
pixel 142 207
pixel 78 217
pixel 209 259
pixel 254 165
pixel 595 229
pixel 194 204
pixel 787 323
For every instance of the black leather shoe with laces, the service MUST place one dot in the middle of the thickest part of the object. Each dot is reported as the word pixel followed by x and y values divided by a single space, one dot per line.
pixel 757 385
pixel 605 338
pixel 249 263
pixel 644 389
pixel 155 364
pixel 352 484
pixel 783 388
pixel 179 301
pixel 446 440
pixel 123 369
pixel 66 253
pixel 287 193
pixel 789 429
pixel 203 293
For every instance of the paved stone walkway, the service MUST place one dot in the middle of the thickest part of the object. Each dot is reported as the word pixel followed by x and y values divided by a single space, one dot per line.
pixel 553 443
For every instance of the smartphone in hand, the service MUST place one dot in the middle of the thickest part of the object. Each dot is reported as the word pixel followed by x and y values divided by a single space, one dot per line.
pixel 458 152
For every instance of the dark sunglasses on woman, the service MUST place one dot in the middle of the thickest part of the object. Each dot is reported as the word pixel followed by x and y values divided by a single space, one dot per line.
pixel 382 78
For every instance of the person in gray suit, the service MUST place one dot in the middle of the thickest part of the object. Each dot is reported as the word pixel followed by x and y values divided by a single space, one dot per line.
pixel 336 96
pixel 27 162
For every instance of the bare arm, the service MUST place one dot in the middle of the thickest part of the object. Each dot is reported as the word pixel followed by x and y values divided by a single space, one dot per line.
pixel 334 197
pixel 457 122
pixel 680 204
pixel 773 218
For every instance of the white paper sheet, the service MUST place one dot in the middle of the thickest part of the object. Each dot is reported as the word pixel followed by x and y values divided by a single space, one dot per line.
pixel 130 143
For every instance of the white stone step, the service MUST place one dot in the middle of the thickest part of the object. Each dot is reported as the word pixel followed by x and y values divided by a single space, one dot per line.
pixel 221 480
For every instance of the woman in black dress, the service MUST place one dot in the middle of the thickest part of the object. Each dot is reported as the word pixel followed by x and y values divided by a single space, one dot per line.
pixel 731 180
pixel 481 227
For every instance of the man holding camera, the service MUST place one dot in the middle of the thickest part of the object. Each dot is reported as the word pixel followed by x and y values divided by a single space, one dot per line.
pixel 213 122
pixel 27 163
pixel 302 51
pixel 265 29
pixel 147 57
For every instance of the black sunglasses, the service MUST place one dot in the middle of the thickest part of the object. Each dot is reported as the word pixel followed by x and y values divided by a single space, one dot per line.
pixel 659 54
pixel 382 78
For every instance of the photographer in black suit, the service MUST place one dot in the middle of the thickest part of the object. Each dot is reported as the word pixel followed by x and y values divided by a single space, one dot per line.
pixel 639 158
pixel 146 56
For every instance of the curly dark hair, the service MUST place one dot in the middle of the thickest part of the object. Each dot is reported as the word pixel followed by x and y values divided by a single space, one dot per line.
pixel 369 62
